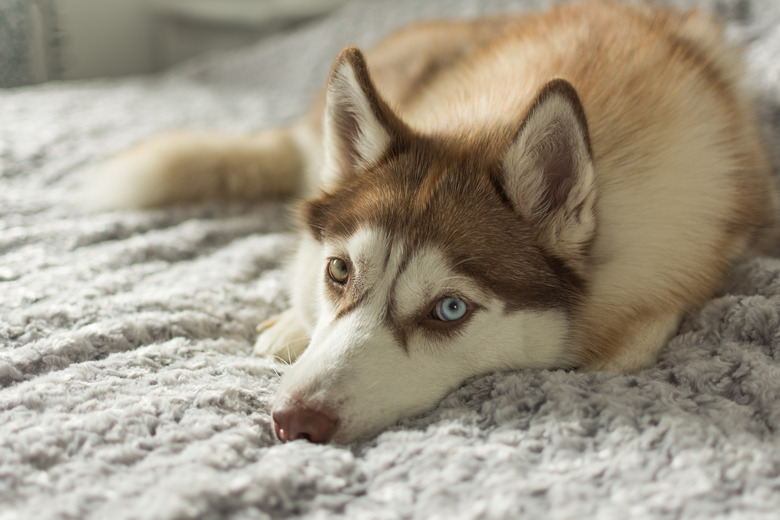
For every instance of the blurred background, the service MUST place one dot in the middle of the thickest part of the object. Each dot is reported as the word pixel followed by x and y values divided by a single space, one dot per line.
pixel 42 40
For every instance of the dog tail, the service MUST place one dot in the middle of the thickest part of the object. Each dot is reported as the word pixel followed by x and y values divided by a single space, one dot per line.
pixel 188 167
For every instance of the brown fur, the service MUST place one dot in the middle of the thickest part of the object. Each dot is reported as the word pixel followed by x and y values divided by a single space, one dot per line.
pixel 624 104
pixel 682 181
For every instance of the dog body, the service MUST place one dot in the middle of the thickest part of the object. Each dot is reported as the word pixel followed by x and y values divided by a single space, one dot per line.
pixel 550 191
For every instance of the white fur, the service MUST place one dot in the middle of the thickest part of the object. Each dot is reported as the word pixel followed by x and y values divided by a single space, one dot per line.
pixel 552 127
pixel 125 181
pixel 355 365
pixel 427 275
pixel 179 167
pixel 346 94
pixel 283 336
pixel 679 188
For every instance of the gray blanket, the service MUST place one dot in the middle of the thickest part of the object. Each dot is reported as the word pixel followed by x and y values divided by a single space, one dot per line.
pixel 128 388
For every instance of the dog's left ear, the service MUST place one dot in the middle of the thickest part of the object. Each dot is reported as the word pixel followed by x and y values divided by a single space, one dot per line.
pixel 359 126
pixel 548 171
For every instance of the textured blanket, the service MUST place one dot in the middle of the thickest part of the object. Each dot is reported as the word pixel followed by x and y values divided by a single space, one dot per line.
pixel 127 384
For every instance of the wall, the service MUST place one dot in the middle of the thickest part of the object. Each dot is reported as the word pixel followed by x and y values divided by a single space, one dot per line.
pixel 104 37
pixel 120 37
pixel 29 47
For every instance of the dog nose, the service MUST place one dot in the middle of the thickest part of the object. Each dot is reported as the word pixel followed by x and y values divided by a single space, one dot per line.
pixel 293 421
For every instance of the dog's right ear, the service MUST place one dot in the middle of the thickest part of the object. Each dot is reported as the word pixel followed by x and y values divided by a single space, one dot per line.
pixel 359 126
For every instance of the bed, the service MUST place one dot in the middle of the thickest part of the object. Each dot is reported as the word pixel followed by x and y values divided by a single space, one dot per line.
pixel 128 388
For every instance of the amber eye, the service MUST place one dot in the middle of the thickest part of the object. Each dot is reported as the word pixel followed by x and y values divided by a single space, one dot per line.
pixel 338 270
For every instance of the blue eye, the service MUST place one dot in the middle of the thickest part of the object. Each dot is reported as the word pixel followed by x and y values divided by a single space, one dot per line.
pixel 450 309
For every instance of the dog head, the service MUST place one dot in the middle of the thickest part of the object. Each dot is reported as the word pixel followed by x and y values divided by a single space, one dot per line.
pixel 434 258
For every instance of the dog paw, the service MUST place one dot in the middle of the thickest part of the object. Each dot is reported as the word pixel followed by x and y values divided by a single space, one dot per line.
pixel 282 336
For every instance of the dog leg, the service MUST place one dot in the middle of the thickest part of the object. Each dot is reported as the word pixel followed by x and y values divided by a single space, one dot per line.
pixel 282 336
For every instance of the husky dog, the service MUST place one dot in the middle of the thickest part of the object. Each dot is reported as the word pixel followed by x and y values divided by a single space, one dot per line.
pixel 554 190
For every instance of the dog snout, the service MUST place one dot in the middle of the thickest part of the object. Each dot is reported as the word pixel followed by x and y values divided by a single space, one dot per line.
pixel 294 420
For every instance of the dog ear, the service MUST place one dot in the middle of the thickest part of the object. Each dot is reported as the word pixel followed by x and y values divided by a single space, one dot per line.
pixel 359 126
pixel 548 171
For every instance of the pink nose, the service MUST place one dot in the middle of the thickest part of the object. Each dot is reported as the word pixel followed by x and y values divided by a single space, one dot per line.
pixel 293 421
